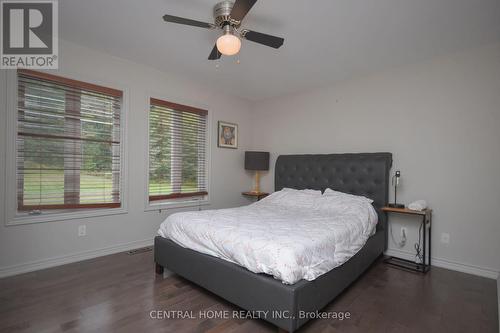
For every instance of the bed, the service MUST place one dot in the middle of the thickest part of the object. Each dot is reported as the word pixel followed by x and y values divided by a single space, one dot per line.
pixel 365 174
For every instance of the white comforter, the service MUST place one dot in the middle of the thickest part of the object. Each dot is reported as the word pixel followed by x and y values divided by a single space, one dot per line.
pixel 291 235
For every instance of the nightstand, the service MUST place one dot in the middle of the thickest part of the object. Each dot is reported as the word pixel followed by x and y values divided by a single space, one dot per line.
pixel 256 195
pixel 425 229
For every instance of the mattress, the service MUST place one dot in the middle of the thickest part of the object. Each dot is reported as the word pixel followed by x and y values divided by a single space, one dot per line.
pixel 291 235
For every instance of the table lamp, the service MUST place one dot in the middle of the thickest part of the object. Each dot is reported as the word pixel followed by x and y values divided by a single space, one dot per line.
pixel 257 161
pixel 395 183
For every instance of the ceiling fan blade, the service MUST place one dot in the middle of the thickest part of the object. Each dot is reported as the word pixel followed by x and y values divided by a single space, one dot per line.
pixel 182 20
pixel 215 54
pixel 264 39
pixel 241 8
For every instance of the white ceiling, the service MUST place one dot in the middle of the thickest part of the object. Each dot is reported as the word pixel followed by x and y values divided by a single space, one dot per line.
pixel 325 40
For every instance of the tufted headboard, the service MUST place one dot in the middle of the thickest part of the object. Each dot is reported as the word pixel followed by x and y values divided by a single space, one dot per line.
pixel 364 174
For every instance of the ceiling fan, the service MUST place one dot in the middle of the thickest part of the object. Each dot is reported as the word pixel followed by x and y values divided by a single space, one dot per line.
pixel 227 17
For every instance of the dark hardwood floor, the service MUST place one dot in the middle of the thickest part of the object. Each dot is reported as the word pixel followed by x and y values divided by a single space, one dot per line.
pixel 116 293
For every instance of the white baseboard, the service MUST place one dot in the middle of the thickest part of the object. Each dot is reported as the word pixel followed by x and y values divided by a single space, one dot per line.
pixel 448 264
pixel 67 259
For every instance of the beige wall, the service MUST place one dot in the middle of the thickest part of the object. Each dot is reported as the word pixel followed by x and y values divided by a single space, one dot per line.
pixel 36 245
pixel 441 121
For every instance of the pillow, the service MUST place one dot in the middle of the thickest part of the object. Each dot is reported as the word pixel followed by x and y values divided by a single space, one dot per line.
pixel 330 192
pixel 292 198
pixel 307 191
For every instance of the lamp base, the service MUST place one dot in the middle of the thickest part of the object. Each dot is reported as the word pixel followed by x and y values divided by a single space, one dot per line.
pixel 254 192
pixel 396 205
pixel 256 188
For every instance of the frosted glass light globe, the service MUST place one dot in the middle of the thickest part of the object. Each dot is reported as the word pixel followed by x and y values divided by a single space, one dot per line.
pixel 228 44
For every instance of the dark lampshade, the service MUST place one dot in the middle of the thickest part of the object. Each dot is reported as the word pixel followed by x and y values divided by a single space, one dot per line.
pixel 256 160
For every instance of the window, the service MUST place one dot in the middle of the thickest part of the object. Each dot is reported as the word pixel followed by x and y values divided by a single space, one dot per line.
pixel 68 144
pixel 177 151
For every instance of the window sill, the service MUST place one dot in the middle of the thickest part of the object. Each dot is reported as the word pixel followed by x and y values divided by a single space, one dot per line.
pixel 52 216
pixel 173 204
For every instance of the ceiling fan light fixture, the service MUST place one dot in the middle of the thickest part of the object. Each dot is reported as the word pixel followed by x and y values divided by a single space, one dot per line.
pixel 228 44
pixel 228 15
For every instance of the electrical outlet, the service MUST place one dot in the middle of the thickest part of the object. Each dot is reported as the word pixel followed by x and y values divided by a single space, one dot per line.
pixel 403 233
pixel 82 230
pixel 445 238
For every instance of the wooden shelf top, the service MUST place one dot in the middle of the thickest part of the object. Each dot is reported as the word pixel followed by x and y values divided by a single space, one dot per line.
pixel 255 194
pixel 406 211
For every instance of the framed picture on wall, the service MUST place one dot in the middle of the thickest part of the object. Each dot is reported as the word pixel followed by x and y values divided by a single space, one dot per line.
pixel 227 135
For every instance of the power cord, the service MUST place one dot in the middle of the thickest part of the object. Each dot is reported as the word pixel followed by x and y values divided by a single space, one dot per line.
pixel 418 249
pixel 419 258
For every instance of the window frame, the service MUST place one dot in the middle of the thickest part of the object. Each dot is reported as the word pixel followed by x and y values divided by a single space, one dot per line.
pixel 15 217
pixel 177 201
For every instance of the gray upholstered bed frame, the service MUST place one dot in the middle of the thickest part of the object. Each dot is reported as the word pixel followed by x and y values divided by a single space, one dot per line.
pixel 362 174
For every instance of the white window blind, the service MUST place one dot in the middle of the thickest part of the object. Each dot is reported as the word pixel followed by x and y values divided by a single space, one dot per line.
pixel 68 143
pixel 177 151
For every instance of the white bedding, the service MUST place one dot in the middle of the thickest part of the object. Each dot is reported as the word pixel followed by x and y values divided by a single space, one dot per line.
pixel 291 235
